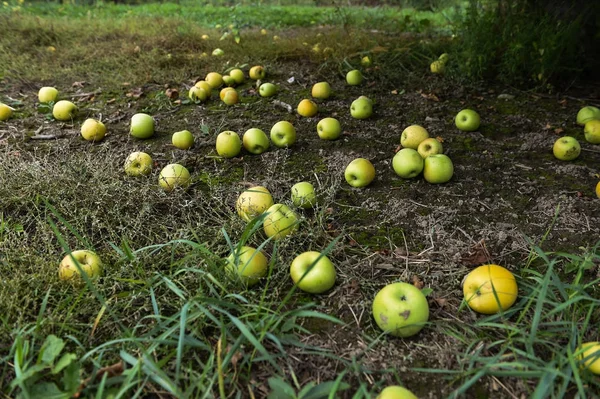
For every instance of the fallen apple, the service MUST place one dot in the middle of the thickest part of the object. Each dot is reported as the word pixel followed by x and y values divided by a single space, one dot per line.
pixel 228 81
pixel 255 141
pixel 592 131
pixel 400 309
pixel 93 130
pixel 313 272
pixel 228 144
pixel 280 221
pixel 267 90
pixel 445 57
pixel 218 52
pixel 214 79
pixel 307 108
pixel 174 176
pixel 467 120
pixel 354 77
pixel 365 61
pixel 437 67
pixel 142 126
pixel 231 97
pixel 47 94
pixel 566 148
pixel 321 90
pixel 430 146
pixel 438 168
pixel 396 392
pixel 303 195
pixel 64 110
pixel 184 140
pixel 197 94
pixel 257 72
pixel 248 265
pixel 407 163
pixel 598 190
pixel 5 112
pixel 588 354
pixel 253 202
pixel 587 114
pixel 361 108
pixel 238 75
pixel 283 134
pixel 202 84
pixel 329 129
pixel 80 261
pixel 412 136
pixel 489 289
pixel 360 172
pixel 138 164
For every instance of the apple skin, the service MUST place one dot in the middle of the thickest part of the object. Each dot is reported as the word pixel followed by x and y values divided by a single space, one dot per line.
pixel 361 108
pixel 255 141
pixel 224 91
pixel 407 163
pixel 396 392
pixel 329 129
pixel 253 202
pixel 589 356
pixel 238 75
pixel 311 274
pixel 88 261
pixel 214 79
pixel 280 221
pixel 228 81
pixel 142 126
pixel 231 97
pixel 412 136
pixel 173 176
pixel 252 265
pixel 197 94
pixel 283 134
pixel 586 114
pixel 437 67
pixel 138 164
pixel 566 148
pixel 307 108
pixel 201 84
pixel 184 140
pixel 400 309
pixel 430 146
pixel 64 110
pixel 228 144
pixel 359 173
pixel 321 90
pixel 438 168
pixel 303 195
pixel 47 94
pixel 592 131
pixel 5 112
pixel 467 120
pixel 93 130
pixel 354 77
pixel 257 72
pixel 267 90
pixel 479 286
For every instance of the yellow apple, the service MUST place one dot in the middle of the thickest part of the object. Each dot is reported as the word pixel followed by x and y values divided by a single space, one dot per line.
pixel 253 202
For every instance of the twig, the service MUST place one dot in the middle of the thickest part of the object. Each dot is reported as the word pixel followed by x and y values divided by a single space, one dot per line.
pixel 588 150
pixel 91 93
pixel 39 130
pixel 287 106
pixel 45 137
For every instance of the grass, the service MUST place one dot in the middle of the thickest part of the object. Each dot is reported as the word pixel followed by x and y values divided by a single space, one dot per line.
pixel 166 320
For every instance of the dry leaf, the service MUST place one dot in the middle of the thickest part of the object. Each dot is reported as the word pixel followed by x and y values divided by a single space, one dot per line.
pixel 440 139
pixel 430 96
pixel 417 282
pixel 559 130
pixel 135 93
pixel 477 255
pixel 78 84
pixel 394 91
pixel 440 301
pixel 173 94
pixel 548 126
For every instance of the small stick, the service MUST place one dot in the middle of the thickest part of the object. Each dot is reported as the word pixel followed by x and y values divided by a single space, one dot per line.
pixel 288 107
pixel 44 137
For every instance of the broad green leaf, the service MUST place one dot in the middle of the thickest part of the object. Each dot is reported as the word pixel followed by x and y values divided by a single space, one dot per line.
pixel 323 390
pixel 48 390
pixel 63 362
pixel 71 378
pixel 51 349
pixel 280 389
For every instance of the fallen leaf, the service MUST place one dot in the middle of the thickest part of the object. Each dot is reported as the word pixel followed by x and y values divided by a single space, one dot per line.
pixel 477 255
pixel 135 93
pixel 559 130
pixel 394 91
pixel 440 139
pixel 173 94
pixel 548 126
pixel 417 282
pixel 440 301
pixel 78 84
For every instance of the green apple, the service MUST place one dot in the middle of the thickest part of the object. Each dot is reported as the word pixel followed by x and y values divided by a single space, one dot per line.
pixel 283 134
pixel 438 168
pixel 400 309
pixel 202 84
pixel 231 96
pixel 444 58
pixel 267 90
pixel 566 148
pixel 173 176
pixel 303 195
pixel 228 81
pixel 184 140
pixel 361 108
pixel 238 75
pixel 248 265
pixel 5 112
pixel 218 52
pixel 79 261
pixel 93 130
pixel 467 120
pixel 329 129
pixel 586 114
pixel 592 131
pixel 64 110
pixel 138 164
pixel 257 72
pixel 197 94
pixel 142 126
pixel 280 221
pixel 228 144
pixel 321 90
pixel 407 163
pixel 354 77
pixel 255 141
pixel 360 172
pixel 47 94
pixel 396 392
pixel 313 272
pixel 214 79
pixel 412 136
pixel 365 61
pixel 253 202
pixel 429 147
pixel 438 67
